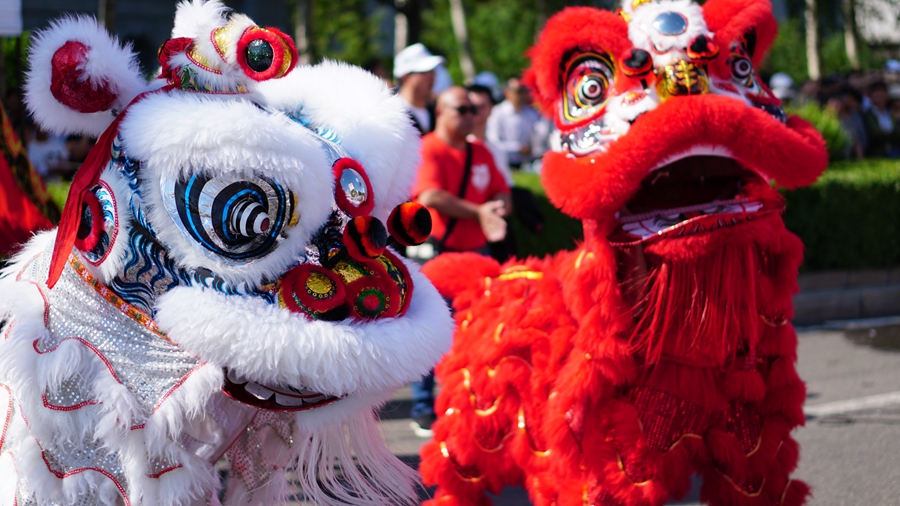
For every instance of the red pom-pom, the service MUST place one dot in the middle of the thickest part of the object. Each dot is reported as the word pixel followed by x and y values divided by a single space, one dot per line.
pixel 91 224
pixel 636 62
pixel 410 223
pixel 365 238
pixel 68 86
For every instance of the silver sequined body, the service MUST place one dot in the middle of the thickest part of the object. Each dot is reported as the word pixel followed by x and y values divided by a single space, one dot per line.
pixel 105 376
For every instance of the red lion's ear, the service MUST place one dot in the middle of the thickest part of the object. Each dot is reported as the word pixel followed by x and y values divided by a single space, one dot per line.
pixel 575 28
pixel 752 20
pixel 80 77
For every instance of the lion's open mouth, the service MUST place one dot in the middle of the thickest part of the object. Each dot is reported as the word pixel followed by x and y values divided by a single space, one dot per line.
pixel 689 196
pixel 273 398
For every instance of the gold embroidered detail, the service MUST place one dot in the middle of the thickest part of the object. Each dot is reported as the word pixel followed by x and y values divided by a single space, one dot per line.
pixel 622 468
pixel 520 423
pixel 498 331
pixel 774 323
pixel 221 38
pixel 741 490
pixel 446 453
pixel 585 254
pixel 520 272
pixel 467 383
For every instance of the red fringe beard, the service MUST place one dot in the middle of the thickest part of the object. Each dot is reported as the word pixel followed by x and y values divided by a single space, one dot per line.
pixel 701 310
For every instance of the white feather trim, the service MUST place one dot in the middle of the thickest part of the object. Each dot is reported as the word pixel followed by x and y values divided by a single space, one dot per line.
pixel 198 17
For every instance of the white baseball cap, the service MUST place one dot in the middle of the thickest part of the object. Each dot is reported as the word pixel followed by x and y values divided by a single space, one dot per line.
pixel 415 58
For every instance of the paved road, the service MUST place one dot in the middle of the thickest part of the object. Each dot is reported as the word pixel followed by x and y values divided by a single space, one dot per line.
pixel 851 441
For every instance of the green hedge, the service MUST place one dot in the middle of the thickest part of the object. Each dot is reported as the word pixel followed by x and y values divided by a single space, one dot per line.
pixel 560 231
pixel 850 218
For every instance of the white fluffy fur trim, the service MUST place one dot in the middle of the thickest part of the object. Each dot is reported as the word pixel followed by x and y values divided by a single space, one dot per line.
pixel 270 345
pixel 371 122
pixel 198 17
pixel 107 62
pixel 178 133
pixel 186 403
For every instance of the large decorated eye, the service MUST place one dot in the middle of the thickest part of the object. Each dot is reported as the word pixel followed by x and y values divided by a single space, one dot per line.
pixel 236 219
pixel 742 71
pixel 588 82
pixel 266 53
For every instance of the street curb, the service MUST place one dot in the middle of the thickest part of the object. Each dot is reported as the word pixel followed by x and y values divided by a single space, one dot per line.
pixel 847 295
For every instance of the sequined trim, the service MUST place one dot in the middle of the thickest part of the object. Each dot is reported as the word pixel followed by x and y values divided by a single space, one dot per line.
pixel 200 61
pixel 30 264
pixel 86 450
pixel 8 417
pixel 69 397
pixel 126 308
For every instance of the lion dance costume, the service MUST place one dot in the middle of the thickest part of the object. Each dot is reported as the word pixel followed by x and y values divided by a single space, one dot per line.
pixel 219 282
pixel 662 346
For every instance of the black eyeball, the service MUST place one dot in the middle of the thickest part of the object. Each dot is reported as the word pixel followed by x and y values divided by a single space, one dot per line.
pixel 259 55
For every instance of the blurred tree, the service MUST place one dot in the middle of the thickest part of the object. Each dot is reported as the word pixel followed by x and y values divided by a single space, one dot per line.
pixel 346 30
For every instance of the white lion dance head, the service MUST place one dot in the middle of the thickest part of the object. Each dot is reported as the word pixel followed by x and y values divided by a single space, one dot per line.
pixel 219 283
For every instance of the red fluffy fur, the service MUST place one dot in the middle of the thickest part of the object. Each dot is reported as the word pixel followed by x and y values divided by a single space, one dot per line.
pixel 610 376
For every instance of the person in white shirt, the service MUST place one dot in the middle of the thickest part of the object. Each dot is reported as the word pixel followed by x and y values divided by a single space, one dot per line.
pixel 414 69
pixel 511 124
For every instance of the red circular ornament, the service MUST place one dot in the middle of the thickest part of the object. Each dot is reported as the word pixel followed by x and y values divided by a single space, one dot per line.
pixel 312 290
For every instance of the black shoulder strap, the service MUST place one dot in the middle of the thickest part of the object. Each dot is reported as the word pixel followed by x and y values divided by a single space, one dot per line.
pixel 467 172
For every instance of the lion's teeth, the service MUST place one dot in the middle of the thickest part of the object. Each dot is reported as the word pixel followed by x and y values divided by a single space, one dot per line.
pixel 285 400
pixel 235 377
pixel 256 390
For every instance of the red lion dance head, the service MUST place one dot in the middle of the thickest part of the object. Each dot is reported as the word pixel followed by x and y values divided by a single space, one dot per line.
pixel 661 347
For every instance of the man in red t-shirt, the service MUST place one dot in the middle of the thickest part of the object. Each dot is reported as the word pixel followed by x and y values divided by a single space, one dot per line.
pixel 479 213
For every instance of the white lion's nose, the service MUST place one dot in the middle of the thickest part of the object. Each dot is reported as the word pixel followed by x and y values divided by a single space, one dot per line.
pixel 670 23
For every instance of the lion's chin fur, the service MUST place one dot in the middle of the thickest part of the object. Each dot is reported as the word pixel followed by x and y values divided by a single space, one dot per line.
pixel 716 292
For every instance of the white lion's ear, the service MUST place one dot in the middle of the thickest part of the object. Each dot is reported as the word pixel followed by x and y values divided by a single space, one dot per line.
pixel 80 77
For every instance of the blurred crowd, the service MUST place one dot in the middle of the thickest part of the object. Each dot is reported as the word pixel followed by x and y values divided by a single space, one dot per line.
pixel 867 104
pixel 53 157
pixel 505 120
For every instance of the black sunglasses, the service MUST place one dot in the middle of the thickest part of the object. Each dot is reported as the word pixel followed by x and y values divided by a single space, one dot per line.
pixel 467 109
